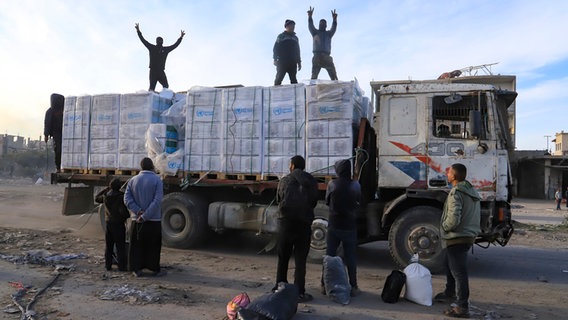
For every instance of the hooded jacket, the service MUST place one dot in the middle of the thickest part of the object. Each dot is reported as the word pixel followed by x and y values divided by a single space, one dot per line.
pixel 53 122
pixel 461 217
pixel 310 185
pixel 322 38
pixel 115 210
pixel 343 196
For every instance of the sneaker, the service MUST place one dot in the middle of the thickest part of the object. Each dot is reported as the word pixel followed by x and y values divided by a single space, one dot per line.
pixel 160 273
pixel 457 312
pixel 305 297
pixel 355 291
pixel 444 298
pixel 137 274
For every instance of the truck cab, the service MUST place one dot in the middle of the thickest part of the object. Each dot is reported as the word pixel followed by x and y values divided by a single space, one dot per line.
pixel 422 128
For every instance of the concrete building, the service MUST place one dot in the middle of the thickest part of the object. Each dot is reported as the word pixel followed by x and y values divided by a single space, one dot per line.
pixel 537 174
pixel 560 144
pixel 11 144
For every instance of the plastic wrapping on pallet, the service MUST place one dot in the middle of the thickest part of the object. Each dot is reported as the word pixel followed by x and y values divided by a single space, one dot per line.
pixel 105 115
pixel 75 132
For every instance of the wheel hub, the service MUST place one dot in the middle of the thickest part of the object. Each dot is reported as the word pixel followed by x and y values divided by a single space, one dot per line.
pixel 319 234
pixel 424 240
pixel 177 221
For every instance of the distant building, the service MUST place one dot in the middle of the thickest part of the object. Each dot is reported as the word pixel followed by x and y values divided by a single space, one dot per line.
pixel 561 144
pixel 12 144
pixel 537 174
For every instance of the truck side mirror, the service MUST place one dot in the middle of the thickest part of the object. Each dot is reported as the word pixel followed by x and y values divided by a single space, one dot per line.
pixel 475 123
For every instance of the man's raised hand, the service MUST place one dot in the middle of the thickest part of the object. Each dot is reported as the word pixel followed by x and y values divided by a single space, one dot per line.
pixel 182 34
pixel 310 11
pixel 334 14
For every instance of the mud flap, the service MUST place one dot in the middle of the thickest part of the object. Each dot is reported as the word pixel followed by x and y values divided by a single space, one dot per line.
pixel 78 200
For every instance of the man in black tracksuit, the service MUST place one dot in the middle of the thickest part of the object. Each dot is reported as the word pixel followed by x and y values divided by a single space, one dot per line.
pixel 297 197
pixel 158 55
pixel 53 125
pixel 115 217
pixel 286 54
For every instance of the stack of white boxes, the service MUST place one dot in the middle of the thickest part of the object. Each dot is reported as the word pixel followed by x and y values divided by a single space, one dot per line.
pixel 242 130
pixel 203 130
pixel 105 115
pixel 284 127
pixel 333 110
pixel 75 133
pixel 137 112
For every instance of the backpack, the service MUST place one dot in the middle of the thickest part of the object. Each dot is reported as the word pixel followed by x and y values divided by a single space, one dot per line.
pixel 296 198
pixel 393 286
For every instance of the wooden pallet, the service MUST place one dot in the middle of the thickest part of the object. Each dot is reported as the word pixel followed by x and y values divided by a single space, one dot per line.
pixel 105 172
pixel 74 171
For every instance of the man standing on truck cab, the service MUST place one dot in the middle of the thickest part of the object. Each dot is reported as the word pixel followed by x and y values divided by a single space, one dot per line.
pixel 143 198
pixel 322 45
pixel 459 226
pixel 53 126
pixel 158 54
pixel 297 196
pixel 286 54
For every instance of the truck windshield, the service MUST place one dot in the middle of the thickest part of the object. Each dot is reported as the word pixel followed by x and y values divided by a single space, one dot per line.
pixel 450 115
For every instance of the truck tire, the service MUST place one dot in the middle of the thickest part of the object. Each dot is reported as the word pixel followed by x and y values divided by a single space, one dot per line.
pixel 184 220
pixel 417 229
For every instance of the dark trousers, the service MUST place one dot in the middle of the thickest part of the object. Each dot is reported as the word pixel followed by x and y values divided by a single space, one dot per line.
pixel 145 246
pixel 286 67
pixel 349 240
pixel 294 237
pixel 115 235
pixel 323 60
pixel 558 203
pixel 457 282
pixel 57 140
pixel 158 76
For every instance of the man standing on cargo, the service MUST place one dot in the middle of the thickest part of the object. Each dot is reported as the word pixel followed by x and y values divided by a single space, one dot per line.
pixel 143 198
pixel 322 45
pixel 158 55
pixel 286 54
pixel 53 126
pixel 297 196
pixel 459 226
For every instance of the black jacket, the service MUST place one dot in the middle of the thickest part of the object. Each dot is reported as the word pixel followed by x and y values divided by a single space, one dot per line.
pixel 158 54
pixel 309 184
pixel 115 210
pixel 287 48
pixel 53 122
pixel 343 196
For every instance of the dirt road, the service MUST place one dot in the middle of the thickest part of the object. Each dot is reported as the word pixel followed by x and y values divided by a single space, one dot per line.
pixel 200 282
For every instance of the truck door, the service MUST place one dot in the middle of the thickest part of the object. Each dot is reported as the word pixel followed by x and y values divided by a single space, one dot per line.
pixel 403 159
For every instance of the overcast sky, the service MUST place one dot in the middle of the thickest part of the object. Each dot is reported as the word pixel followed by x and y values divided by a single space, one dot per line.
pixel 90 47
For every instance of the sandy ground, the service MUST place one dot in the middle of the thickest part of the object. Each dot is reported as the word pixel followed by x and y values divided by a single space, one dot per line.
pixel 200 282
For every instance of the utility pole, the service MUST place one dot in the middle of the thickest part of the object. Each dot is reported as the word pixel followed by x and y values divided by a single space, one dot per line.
pixel 547 137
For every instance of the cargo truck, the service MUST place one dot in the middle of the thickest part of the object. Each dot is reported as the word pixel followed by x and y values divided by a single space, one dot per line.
pixel 401 152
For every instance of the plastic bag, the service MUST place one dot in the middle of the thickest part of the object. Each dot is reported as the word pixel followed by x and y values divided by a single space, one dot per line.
pixel 335 280
pixel 279 305
pixel 418 283
pixel 393 286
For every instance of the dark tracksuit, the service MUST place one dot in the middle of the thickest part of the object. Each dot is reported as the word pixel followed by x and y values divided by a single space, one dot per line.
pixel 286 53
pixel 53 125
pixel 294 234
pixel 115 218
pixel 158 55
pixel 343 196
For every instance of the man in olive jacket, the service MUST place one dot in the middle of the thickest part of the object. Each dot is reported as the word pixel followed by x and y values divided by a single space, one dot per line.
pixel 459 226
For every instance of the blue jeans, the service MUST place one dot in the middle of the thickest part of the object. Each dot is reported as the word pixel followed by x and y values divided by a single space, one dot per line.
pixel 457 281
pixel 349 240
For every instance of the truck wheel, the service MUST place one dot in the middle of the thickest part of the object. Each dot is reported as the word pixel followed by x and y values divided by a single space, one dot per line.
pixel 184 220
pixel 417 230
pixel 318 242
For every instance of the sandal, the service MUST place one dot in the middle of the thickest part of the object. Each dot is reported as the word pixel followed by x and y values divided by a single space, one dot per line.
pixel 457 312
